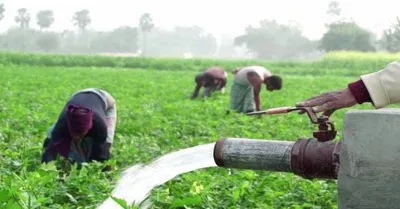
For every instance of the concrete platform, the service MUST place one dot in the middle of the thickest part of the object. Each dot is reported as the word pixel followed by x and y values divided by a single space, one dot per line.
pixel 369 174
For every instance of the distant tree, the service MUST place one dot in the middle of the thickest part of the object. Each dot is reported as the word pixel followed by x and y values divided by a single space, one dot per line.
pixel 146 25
pixel 347 36
pixel 334 9
pixel 195 40
pixel 162 42
pixel 48 42
pixel 120 40
pixel 19 39
pixel 271 40
pixel 391 38
pixel 44 18
pixel 2 10
pixel 23 18
pixel 344 34
pixel 180 40
pixel 334 12
pixel 81 19
pixel 226 48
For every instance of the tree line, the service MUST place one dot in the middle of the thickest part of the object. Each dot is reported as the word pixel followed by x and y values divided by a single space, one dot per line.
pixel 268 40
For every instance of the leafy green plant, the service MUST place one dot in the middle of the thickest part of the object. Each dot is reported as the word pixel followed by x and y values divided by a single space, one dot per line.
pixel 155 117
pixel 334 61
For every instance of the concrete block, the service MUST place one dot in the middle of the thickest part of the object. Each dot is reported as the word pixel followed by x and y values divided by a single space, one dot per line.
pixel 369 174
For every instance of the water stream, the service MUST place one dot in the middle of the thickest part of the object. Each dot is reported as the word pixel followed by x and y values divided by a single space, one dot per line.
pixel 137 182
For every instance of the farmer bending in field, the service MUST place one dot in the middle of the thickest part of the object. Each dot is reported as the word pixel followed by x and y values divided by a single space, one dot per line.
pixel 213 79
pixel 246 87
pixel 85 128
pixel 380 88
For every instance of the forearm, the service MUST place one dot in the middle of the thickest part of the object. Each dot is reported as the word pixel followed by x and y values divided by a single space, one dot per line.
pixel 223 89
pixel 256 94
pixel 111 129
pixel 258 103
pixel 196 91
pixel 111 123
pixel 222 84
pixel 257 99
pixel 48 156
pixel 111 117
pixel 101 152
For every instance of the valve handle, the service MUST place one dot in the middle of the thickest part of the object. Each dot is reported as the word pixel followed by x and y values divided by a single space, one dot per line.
pixel 272 111
pixel 322 134
pixel 280 110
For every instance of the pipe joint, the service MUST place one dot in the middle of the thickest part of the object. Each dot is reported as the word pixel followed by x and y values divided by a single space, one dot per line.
pixel 313 159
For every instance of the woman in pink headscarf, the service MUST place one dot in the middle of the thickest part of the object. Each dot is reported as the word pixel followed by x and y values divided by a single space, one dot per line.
pixel 85 128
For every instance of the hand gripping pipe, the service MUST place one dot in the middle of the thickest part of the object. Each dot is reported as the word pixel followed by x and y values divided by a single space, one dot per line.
pixel 307 158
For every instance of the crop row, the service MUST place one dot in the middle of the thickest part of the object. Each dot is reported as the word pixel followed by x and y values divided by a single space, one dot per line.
pixel 349 61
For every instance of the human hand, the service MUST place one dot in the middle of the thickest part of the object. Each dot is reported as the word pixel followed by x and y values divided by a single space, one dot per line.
pixel 329 102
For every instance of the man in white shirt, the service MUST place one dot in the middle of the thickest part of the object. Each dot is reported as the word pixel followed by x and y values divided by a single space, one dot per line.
pixel 246 87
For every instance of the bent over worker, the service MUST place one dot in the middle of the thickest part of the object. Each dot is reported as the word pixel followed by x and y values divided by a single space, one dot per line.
pixel 213 79
pixel 380 88
pixel 246 87
pixel 84 130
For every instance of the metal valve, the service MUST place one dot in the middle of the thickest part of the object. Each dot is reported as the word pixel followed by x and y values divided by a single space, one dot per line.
pixel 326 129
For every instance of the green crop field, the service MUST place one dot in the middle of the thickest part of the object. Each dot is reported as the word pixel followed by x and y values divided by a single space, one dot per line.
pixel 155 117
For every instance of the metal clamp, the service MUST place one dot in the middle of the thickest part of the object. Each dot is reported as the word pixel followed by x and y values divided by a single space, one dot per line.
pixel 326 129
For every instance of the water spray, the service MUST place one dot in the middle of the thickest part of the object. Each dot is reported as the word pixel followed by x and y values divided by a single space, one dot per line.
pixel 365 162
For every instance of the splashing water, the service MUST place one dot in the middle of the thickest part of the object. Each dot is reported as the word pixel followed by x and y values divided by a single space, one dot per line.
pixel 136 182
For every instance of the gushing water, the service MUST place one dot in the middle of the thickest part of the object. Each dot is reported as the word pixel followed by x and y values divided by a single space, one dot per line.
pixel 136 182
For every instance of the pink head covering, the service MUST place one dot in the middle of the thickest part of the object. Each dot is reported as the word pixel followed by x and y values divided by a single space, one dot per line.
pixel 79 119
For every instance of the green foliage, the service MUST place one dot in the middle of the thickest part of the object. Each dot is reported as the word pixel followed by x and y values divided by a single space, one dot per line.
pixel 120 40
pixel 346 36
pixel 272 40
pixel 44 18
pixel 180 40
pixel 20 39
pixel 124 39
pixel 156 117
pixel 345 63
pixel 48 42
pixel 195 40
pixel 391 38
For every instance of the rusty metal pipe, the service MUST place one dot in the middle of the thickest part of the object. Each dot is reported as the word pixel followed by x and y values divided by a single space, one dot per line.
pixel 307 158
pixel 253 154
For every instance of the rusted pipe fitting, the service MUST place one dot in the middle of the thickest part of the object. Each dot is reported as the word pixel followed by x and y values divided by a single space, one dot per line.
pixel 313 159
pixel 307 158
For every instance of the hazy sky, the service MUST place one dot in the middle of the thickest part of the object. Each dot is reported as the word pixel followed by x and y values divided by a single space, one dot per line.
pixel 218 18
